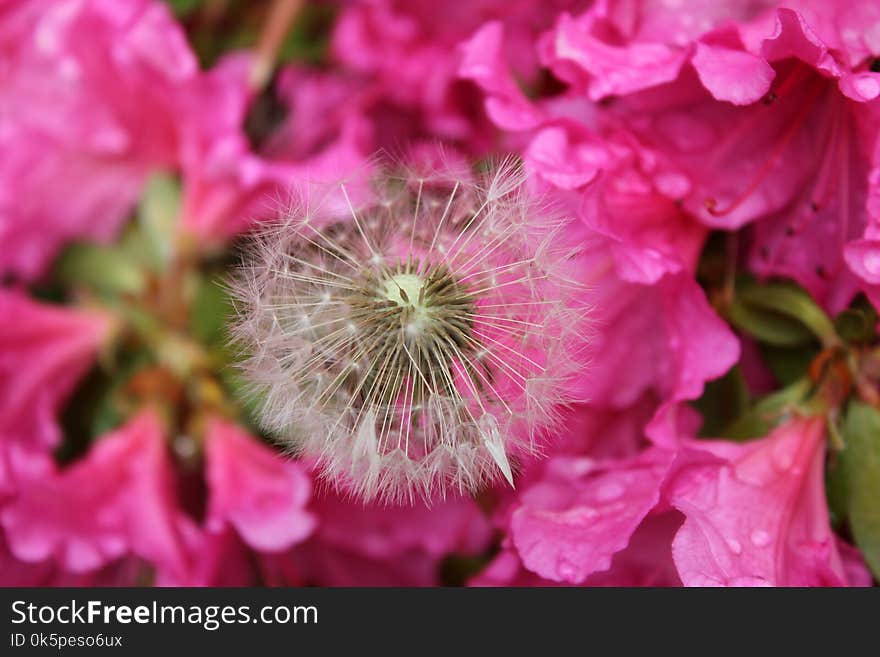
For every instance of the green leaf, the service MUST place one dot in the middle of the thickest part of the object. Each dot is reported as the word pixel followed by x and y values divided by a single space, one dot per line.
pixel 209 311
pixel 768 412
pixel 856 324
pixel 861 460
pixel 789 301
pixel 836 492
pixel 184 7
pixel 249 400
pixel 103 268
pixel 309 36
pixel 93 408
pixel 457 569
pixel 767 325
pixel 157 221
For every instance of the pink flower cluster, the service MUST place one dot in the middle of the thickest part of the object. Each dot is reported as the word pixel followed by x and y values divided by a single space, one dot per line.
pixel 652 122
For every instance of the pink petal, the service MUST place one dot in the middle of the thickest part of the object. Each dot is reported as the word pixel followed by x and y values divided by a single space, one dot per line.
pixel 92 94
pixel 571 525
pixel 563 164
pixel 574 52
pixel 117 501
pixel 262 494
pixel 357 545
pixel 671 333
pixel 482 62
pixel 735 76
pixel 646 561
pixel 43 353
pixel 761 518
pixel 863 257
pixel 228 185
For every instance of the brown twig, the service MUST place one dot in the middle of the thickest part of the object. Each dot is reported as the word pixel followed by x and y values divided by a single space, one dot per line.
pixel 278 22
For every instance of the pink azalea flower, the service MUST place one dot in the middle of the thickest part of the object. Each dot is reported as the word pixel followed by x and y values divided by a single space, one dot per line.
pixel 255 490
pixel 832 189
pixel 796 164
pixel 14 572
pixel 699 138
pixel 753 513
pixel 117 502
pixel 357 545
pixel 617 47
pixel 89 100
pixel 851 28
pixel 43 353
pixel 572 522
pixel 672 338
pixel 627 195
pixel 760 518
pixel 409 48
pixel 590 513
pixel 229 183
pixel 863 255
pixel 647 308
pixel 221 559
pixel 572 148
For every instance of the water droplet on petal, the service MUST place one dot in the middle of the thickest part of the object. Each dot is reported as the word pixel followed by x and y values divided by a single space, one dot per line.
pixel 783 457
pixel 567 570
pixel 578 515
pixel 867 87
pixel 735 546
pixel 609 491
pixel 581 466
pixel 872 262
pixel 760 538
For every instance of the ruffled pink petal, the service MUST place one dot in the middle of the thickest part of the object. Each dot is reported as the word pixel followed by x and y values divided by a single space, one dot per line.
pixel 571 524
pixel 91 94
pixel 702 348
pixel 43 353
pixel 851 28
pixel 646 561
pixel 117 501
pixel 738 77
pixel 255 490
pixel 228 184
pixel 794 37
pixel 674 340
pixel 649 234
pixel 577 55
pixel 483 63
pixel 357 545
pixel 863 258
pixel 564 164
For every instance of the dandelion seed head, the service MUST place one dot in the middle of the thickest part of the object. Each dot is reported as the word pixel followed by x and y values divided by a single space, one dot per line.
pixel 420 341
